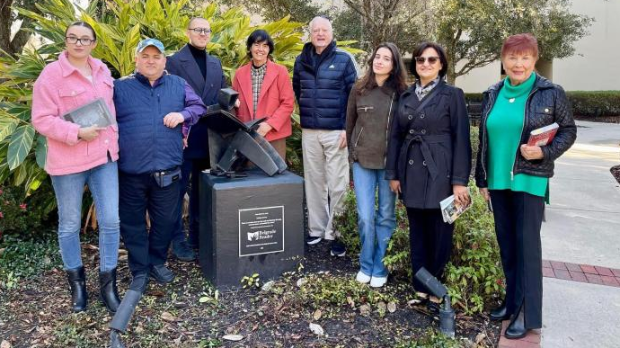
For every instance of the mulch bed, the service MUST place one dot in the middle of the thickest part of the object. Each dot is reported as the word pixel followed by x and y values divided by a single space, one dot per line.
pixel 189 313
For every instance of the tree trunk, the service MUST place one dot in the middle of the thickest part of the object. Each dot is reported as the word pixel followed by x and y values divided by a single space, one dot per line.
pixel 5 26
pixel 16 45
pixel 451 78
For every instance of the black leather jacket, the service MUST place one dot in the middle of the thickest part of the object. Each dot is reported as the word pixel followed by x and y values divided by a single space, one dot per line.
pixel 546 103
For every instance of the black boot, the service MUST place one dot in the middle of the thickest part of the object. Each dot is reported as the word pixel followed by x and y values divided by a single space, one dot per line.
pixel 108 293
pixel 516 329
pixel 500 313
pixel 77 282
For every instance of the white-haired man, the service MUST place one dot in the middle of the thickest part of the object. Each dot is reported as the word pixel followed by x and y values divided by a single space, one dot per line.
pixel 322 79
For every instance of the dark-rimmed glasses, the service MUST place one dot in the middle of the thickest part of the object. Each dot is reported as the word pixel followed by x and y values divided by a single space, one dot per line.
pixel 85 41
pixel 199 31
pixel 431 60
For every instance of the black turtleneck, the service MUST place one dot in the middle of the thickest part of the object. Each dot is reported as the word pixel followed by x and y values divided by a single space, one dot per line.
pixel 200 56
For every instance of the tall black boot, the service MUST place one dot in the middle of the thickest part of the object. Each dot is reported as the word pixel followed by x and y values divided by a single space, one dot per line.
pixel 77 282
pixel 108 293
pixel 516 329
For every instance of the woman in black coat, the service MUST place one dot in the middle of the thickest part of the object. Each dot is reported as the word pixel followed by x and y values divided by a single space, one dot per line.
pixel 429 158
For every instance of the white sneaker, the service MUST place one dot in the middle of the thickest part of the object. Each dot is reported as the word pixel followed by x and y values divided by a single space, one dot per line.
pixel 362 278
pixel 377 282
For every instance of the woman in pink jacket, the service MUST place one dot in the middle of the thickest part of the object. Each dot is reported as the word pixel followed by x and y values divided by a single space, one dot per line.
pixel 265 91
pixel 80 156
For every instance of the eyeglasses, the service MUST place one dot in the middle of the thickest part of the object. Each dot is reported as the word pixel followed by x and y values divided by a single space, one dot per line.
pixel 204 31
pixel 431 60
pixel 84 41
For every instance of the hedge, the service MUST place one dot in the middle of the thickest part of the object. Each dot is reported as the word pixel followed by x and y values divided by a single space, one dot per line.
pixel 584 103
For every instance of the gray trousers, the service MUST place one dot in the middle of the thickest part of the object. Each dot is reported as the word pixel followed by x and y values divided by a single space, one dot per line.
pixel 326 176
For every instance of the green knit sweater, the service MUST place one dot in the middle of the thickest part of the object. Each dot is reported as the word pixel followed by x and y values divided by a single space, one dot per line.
pixel 504 127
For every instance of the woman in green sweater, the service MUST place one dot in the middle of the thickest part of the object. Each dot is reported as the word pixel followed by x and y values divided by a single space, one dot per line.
pixel 515 176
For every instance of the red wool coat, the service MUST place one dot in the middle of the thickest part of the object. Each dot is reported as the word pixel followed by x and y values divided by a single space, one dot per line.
pixel 276 101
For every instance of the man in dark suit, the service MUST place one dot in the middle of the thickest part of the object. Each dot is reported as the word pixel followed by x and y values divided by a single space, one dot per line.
pixel 204 74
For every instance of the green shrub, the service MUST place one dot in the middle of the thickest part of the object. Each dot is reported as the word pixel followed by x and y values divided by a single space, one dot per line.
pixel 474 274
pixel 473 97
pixel 21 215
pixel 584 103
pixel 430 339
pixel 23 258
pixel 595 104
pixel 324 290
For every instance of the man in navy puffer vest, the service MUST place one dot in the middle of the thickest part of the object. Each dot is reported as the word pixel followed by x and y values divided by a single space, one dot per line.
pixel 151 108
pixel 322 79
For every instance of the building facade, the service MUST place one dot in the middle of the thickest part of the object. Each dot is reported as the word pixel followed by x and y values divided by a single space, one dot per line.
pixel 595 66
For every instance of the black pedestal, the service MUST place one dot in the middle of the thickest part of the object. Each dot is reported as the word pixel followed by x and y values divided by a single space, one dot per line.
pixel 250 225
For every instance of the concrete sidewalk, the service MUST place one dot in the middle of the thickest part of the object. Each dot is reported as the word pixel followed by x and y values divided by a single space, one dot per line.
pixel 583 228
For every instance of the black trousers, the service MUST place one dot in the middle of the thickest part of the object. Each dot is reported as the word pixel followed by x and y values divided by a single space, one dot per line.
pixel 137 194
pixel 430 241
pixel 190 170
pixel 518 219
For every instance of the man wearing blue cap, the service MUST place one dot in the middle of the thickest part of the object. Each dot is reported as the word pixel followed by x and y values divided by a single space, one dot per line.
pixel 151 108
pixel 204 73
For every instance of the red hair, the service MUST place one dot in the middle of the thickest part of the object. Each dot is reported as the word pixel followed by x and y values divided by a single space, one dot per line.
pixel 520 43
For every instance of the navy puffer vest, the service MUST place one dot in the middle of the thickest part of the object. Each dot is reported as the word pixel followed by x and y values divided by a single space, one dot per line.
pixel 322 84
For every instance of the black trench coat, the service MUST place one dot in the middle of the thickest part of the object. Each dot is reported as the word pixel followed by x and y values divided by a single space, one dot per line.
pixel 429 150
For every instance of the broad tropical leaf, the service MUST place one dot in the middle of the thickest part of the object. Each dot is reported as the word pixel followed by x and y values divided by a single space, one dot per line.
pixel 20 145
pixel 7 127
pixel 41 151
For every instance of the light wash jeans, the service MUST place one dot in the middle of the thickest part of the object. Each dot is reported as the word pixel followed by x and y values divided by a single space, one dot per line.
pixel 375 226
pixel 103 185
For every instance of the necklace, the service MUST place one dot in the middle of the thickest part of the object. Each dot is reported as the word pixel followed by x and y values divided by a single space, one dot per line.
pixel 511 100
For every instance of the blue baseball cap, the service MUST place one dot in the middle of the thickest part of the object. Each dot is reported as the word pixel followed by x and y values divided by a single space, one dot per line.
pixel 150 42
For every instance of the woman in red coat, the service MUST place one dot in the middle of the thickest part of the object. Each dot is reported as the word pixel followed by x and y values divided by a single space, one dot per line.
pixel 265 91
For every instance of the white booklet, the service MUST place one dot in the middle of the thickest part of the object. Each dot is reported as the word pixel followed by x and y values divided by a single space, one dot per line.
pixel 451 211
pixel 95 113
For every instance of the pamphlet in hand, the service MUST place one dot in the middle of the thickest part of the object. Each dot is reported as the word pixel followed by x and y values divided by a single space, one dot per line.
pixel 95 113
pixel 543 136
pixel 451 210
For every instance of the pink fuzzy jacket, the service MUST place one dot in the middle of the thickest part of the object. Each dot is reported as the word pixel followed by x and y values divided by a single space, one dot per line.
pixel 59 89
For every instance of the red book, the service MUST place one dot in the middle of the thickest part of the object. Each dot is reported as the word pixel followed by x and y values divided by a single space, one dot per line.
pixel 543 136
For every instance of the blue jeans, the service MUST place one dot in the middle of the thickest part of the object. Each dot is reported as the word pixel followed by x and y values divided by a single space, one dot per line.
pixel 376 227
pixel 102 182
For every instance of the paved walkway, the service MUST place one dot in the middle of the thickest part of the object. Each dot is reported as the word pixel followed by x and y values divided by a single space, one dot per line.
pixel 581 246
pixel 583 227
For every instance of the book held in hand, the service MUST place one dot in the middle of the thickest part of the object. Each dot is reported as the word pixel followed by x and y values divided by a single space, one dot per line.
pixel 543 136
pixel 451 211
pixel 95 113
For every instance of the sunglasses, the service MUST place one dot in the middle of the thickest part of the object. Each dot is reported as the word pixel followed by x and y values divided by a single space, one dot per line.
pixel 431 60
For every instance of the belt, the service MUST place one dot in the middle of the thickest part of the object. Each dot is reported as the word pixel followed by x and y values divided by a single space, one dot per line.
pixel 159 173
pixel 423 141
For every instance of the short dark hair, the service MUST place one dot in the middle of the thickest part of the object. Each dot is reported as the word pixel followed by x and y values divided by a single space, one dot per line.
pixel 259 35
pixel 440 51
pixel 82 24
